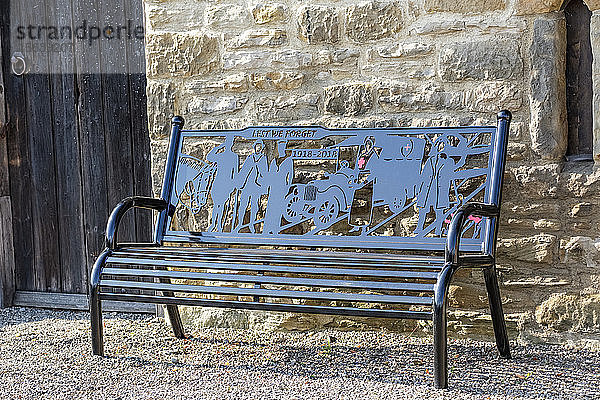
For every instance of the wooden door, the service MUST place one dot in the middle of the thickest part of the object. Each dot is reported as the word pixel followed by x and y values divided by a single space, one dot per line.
pixel 76 140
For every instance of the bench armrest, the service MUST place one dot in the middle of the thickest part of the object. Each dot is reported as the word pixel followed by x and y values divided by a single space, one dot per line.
pixel 458 222
pixel 120 209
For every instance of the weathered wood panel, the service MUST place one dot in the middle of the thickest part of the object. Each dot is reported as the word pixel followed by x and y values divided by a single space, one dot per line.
pixel 19 161
pixel 71 152
pixel 71 236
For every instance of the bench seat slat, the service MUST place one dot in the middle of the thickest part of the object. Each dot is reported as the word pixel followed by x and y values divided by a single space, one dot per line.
pixel 287 256
pixel 293 294
pixel 277 280
pixel 286 307
pixel 275 268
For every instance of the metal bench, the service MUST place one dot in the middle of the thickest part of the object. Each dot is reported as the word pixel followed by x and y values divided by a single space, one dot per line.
pixel 355 222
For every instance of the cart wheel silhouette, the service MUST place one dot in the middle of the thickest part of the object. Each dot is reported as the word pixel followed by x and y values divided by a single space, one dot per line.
pixel 326 212
pixel 396 203
pixel 293 207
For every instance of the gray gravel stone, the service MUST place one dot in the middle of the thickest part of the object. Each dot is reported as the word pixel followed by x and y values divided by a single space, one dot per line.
pixel 46 355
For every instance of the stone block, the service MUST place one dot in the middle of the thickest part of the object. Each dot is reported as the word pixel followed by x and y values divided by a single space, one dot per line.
pixel 547 98
pixel 581 250
pixel 373 20
pixel 178 54
pixel 531 209
pixel 349 99
pixel 570 312
pixel 161 104
pixel 318 24
pixel 530 7
pixel 465 6
pixel 399 68
pixel 517 151
pixel 595 39
pixel 539 248
pixel 398 97
pixel 547 224
pixel 403 50
pixel 542 224
pixel 264 13
pixel 435 26
pixel 467 296
pixel 258 37
pixel 347 57
pixel 538 181
pixel 596 116
pixel 158 158
pixel 242 60
pixel 481 60
pixel 227 16
pixel 292 59
pixel 582 183
pixel 164 16
pixel 216 105
pixel 277 80
pixel 583 210
pixel 494 96
pixel 285 109
pixel 231 83
pixel 593 5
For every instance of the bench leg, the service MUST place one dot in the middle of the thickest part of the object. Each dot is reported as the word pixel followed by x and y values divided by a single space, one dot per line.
pixel 96 322
pixel 175 320
pixel 173 313
pixel 440 340
pixel 96 306
pixel 491 282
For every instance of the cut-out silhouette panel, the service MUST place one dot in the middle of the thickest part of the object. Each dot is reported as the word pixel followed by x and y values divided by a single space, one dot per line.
pixel 301 183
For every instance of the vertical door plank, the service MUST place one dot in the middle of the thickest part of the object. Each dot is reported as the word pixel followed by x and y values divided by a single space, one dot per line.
pixel 140 168
pixel 91 131
pixel 41 142
pixel 19 161
pixel 4 180
pixel 116 114
pixel 7 259
pixel 68 159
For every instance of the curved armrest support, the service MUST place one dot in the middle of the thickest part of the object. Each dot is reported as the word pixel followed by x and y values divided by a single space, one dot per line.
pixel 120 209
pixel 458 222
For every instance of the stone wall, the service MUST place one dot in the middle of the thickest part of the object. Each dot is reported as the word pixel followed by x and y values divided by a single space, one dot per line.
pixel 337 63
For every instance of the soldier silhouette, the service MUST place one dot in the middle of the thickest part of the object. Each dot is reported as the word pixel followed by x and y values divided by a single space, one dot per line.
pixel 437 175
pixel 224 181
pixel 281 173
pixel 250 184
pixel 368 161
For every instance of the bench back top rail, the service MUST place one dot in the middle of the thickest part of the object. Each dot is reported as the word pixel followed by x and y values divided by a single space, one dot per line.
pixel 392 188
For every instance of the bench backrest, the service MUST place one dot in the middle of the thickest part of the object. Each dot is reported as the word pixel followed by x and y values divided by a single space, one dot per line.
pixel 310 186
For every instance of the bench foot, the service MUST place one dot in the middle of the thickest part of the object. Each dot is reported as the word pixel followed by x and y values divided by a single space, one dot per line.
pixel 491 283
pixel 440 339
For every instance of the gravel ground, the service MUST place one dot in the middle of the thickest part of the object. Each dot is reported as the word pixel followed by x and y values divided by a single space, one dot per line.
pixel 46 355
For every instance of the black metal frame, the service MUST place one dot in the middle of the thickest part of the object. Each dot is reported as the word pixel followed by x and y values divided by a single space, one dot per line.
pixel 453 260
